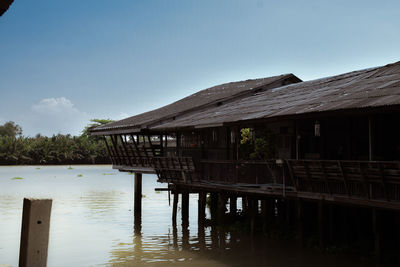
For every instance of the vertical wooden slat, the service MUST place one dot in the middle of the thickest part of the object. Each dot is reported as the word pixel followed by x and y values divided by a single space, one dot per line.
pixel 344 178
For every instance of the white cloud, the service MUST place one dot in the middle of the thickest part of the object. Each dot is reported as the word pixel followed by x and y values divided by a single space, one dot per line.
pixel 121 116
pixel 54 115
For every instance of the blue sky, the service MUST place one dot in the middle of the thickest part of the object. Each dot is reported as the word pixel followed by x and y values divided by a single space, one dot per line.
pixel 65 62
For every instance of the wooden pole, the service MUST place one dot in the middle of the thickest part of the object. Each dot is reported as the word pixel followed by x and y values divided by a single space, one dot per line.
pixel 377 234
pixel 185 210
pixel 214 208
pixel 175 207
pixel 201 208
pixel 300 223
pixel 138 194
pixel 370 140
pixel 321 223
pixel 233 206
pixel 137 216
pixel 35 232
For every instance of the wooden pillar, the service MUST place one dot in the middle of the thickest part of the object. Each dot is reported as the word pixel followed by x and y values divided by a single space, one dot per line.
pixel 35 232
pixel 244 204
pixel 321 223
pixel 214 208
pixel 185 210
pixel 264 215
pixel 370 139
pixel 138 194
pixel 175 207
pixel 201 208
pixel 297 140
pixel 233 206
pixel 300 220
pixel 377 234
pixel 221 208
pixel 253 208
pixel 137 216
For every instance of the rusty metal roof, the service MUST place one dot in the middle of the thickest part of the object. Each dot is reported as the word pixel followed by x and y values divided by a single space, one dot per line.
pixel 369 88
pixel 206 98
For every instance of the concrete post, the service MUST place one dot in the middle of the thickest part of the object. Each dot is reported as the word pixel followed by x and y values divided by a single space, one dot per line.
pixel 35 232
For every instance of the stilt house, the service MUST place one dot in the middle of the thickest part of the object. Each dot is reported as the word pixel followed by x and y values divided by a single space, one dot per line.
pixel 334 139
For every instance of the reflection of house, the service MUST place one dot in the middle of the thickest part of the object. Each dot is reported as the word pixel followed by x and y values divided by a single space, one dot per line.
pixel 338 138
pixel 4 5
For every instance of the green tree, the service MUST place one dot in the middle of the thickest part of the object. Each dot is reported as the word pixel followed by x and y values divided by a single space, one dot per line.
pixel 10 129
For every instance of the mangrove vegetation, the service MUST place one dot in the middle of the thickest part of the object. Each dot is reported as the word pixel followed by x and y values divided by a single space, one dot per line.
pixel 58 149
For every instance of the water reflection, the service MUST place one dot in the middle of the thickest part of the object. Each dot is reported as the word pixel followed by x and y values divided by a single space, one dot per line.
pixel 93 224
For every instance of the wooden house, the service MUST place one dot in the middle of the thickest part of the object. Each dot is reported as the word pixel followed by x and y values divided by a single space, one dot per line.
pixel 335 139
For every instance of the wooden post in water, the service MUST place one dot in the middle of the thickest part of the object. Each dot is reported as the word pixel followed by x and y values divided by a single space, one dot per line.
pixel 138 194
pixel 185 210
pixel 137 216
pixel 201 208
pixel 35 232
pixel 175 207
pixel 264 215
pixel 233 206
pixel 214 208
pixel 321 224
pixel 299 219
pixel 253 208
pixel 377 234
pixel 221 208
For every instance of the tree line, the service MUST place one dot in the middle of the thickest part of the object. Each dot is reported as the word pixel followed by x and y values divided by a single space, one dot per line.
pixel 58 149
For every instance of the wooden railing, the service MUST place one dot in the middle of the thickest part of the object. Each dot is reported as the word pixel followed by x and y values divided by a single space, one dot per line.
pixel 369 180
pixel 175 169
pixel 360 179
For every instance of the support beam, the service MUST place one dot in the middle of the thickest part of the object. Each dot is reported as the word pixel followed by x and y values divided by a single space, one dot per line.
pixel 214 208
pixel 175 207
pixel 321 224
pixel 138 194
pixel 377 234
pixel 233 206
pixel 370 139
pixel 185 210
pixel 201 208
pixel 300 221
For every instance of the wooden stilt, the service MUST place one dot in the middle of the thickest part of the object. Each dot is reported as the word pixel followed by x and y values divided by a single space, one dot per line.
pixel 175 207
pixel 233 206
pixel 138 194
pixel 214 208
pixel 137 223
pixel 300 223
pixel 201 209
pixel 185 209
pixel 377 234
pixel 264 215
pixel 253 207
pixel 221 208
pixel 244 204
pixel 321 224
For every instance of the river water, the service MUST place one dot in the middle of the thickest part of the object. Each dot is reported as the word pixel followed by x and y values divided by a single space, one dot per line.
pixel 92 224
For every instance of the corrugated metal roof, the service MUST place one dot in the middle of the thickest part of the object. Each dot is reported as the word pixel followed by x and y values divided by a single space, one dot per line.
pixel 201 99
pixel 369 88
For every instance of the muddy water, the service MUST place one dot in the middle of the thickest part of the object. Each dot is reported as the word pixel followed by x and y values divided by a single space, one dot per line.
pixel 92 224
